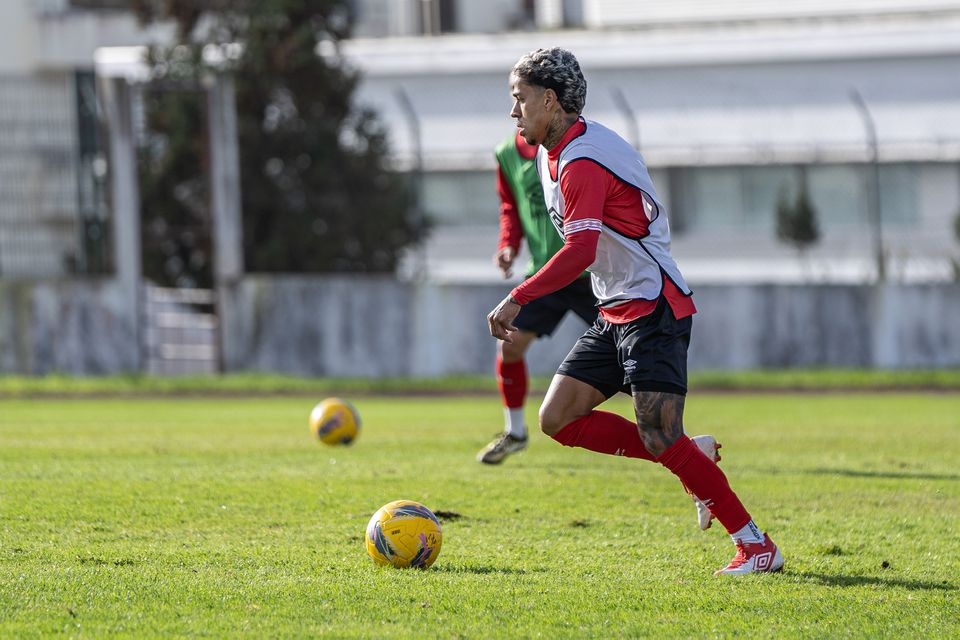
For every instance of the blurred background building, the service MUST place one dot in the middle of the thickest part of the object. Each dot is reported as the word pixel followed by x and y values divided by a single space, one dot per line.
pixel 53 209
pixel 734 105
pixel 737 106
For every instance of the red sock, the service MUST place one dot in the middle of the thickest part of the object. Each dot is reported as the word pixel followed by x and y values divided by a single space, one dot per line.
pixel 705 479
pixel 604 432
pixel 512 380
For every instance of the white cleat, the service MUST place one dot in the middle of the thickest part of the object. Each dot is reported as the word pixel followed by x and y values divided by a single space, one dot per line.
pixel 709 446
pixel 754 557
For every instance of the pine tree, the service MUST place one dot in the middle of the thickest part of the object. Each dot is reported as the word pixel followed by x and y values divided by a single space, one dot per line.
pixel 316 192
pixel 797 220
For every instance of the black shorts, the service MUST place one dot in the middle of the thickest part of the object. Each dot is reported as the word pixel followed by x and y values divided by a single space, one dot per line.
pixel 648 354
pixel 541 316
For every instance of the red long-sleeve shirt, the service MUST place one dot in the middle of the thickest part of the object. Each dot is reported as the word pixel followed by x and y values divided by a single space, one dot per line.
pixel 511 232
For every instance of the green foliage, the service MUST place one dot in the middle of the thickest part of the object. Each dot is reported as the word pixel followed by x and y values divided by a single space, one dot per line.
pixel 176 230
pixel 224 518
pixel 316 192
pixel 797 220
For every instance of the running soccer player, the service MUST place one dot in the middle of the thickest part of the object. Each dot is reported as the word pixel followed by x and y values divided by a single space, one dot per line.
pixel 523 215
pixel 600 198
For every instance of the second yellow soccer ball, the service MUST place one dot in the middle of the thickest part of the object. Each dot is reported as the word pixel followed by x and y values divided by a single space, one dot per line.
pixel 335 421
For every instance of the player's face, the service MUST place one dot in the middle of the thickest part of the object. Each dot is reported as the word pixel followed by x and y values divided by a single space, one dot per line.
pixel 530 109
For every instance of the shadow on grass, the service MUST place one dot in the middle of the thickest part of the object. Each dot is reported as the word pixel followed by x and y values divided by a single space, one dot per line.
pixel 855 473
pixel 859 581
pixel 893 475
pixel 483 570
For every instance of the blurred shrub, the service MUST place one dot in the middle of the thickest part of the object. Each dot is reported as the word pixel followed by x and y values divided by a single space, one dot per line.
pixel 797 219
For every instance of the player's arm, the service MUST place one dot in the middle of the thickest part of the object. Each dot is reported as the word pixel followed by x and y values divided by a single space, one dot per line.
pixel 508 246
pixel 577 253
pixel 583 185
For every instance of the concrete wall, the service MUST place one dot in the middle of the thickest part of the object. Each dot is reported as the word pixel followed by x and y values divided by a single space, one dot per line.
pixel 380 327
pixel 360 326
pixel 78 327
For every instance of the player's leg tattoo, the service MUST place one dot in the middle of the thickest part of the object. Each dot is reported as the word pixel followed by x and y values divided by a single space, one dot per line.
pixel 659 419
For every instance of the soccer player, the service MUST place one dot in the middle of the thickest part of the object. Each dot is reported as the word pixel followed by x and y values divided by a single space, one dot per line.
pixel 601 200
pixel 523 215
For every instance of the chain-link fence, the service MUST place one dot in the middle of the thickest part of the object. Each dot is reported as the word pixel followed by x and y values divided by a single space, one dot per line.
pixel 53 219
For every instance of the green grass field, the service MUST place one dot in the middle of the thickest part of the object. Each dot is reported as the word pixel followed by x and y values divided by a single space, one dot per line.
pixel 221 517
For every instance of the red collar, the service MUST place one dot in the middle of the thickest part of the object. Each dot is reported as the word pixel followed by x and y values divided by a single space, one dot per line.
pixel 576 129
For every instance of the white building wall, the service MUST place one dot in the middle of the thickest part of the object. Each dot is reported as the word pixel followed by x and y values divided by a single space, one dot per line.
pixel 67 40
pixel 490 16
pixel 699 99
pixel 619 13
pixel 18 37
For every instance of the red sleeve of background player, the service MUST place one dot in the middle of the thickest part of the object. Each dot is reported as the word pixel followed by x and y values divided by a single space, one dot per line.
pixel 510 230
pixel 583 185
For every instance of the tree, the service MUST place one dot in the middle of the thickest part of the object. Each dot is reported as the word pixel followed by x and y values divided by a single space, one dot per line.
pixel 317 194
pixel 797 220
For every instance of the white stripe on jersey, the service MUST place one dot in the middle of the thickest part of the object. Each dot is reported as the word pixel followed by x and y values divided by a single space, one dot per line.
pixel 584 224
pixel 648 207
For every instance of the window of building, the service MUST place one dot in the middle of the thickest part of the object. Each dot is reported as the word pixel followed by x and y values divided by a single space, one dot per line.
pixel 838 193
pixel 460 198
pixel 899 197
pixel 713 198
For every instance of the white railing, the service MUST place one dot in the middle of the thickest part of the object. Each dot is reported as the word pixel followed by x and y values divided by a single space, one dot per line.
pixel 181 331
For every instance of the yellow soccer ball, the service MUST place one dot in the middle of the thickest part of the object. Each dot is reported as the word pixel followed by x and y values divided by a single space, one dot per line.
pixel 335 421
pixel 404 533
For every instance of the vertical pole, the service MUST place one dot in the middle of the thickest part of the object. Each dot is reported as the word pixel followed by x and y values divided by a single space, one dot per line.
pixel 620 101
pixel 226 208
pixel 874 212
pixel 549 14
pixel 125 192
pixel 413 122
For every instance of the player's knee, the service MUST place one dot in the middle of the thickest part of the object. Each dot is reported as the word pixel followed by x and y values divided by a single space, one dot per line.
pixel 512 352
pixel 516 350
pixel 552 419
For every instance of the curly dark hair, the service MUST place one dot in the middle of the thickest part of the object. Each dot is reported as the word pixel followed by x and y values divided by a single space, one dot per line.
pixel 555 69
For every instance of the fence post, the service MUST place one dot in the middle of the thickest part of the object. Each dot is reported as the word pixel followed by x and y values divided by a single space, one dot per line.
pixel 227 215
pixel 125 193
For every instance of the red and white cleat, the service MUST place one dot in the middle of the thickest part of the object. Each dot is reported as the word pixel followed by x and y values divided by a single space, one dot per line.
pixel 754 557
pixel 709 446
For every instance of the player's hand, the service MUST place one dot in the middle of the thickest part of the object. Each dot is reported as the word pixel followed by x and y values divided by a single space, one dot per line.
pixel 500 319
pixel 504 260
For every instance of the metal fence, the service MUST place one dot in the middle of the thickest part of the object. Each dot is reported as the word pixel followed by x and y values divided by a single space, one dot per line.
pixel 53 219
pixel 181 331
